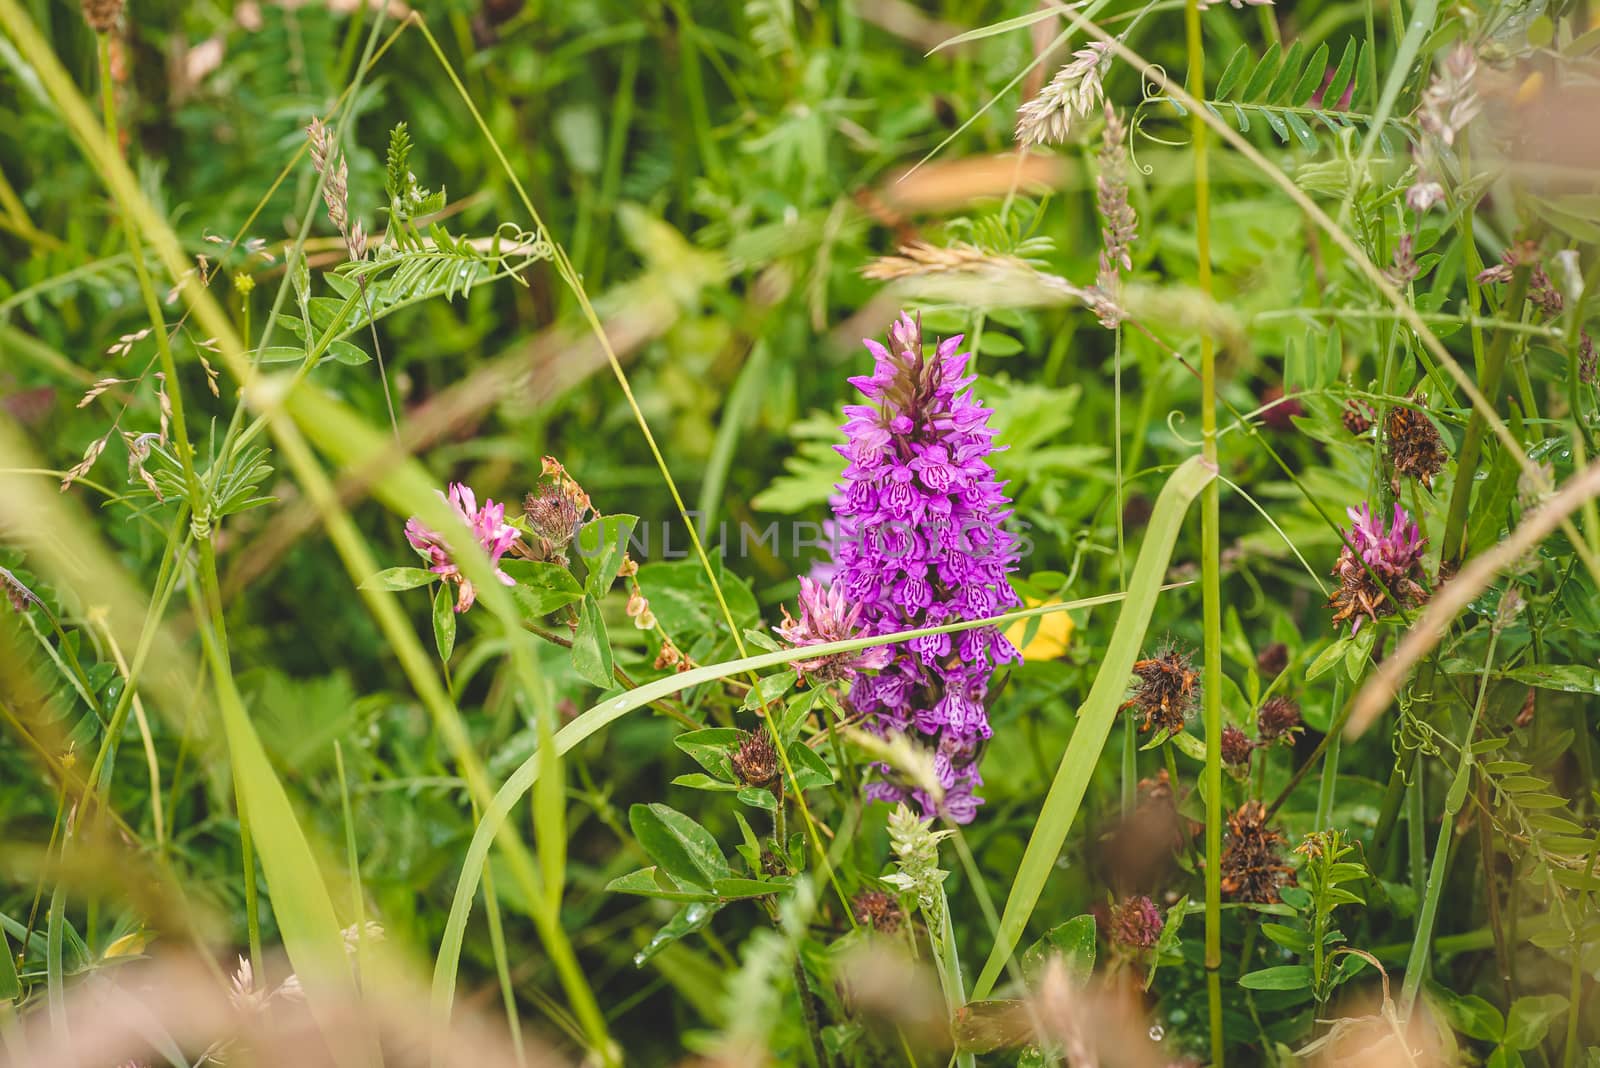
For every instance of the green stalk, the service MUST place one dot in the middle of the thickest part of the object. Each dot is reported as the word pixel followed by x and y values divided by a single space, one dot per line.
pixel 222 669
pixel 1490 374
pixel 195 491
pixel 1569 1056
pixel 1441 853
pixel 1330 760
pixel 1210 550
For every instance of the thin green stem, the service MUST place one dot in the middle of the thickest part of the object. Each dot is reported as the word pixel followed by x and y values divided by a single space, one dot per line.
pixel 1210 551
pixel 1436 878
pixel 214 630
pixel 1490 374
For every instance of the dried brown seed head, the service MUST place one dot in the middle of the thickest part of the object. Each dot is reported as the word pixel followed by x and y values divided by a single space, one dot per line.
pixel 1278 718
pixel 1169 689
pixel 1415 448
pixel 878 910
pixel 1252 863
pixel 756 761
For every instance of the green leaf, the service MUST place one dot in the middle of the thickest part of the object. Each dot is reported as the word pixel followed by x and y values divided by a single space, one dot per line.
pixel 602 543
pixel 1261 77
pixel 1355 659
pixel 1278 91
pixel 735 888
pixel 1073 940
pixel 541 587
pixel 1282 977
pixel 684 849
pixel 348 354
pixel 1096 715
pixel 1571 678
pixel 712 748
pixel 1302 132
pixel 768 689
pixel 1231 73
pixel 810 771
pixel 1341 75
pixel 686 921
pixel 1275 121
pixel 1469 1014
pixel 1311 80
pixel 699 780
pixel 591 648
pixel 10 987
pixel 1189 745
pixel 758 797
pixel 1530 1018
pixel 1327 658
pixel 282 354
pixel 399 578
pixel 653 882
pixel 444 621
pixel 1290 938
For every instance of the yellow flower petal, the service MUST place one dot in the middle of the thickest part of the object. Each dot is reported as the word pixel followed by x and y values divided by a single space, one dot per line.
pixel 129 945
pixel 1050 637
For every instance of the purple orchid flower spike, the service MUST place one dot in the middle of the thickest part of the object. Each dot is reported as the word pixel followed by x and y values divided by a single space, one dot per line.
pixel 920 541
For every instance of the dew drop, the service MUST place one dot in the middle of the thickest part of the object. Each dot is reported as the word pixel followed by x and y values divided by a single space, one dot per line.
pixel 1156 1033
pixel 619 703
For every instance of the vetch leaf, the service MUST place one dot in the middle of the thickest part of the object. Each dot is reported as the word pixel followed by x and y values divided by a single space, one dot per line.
pixel 1231 73
pixel 1341 75
pixel 1311 79
pixel 1262 75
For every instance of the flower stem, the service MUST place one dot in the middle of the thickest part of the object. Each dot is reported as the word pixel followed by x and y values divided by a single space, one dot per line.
pixel 1211 550
pixel 1441 853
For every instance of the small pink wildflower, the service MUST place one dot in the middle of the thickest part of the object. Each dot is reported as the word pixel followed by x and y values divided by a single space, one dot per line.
pixel 1136 923
pixel 489 527
pixel 824 617
pixel 1393 555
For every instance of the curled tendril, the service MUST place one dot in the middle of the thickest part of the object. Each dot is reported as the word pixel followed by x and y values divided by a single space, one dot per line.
pixel 1413 736
pixel 531 244
pixel 1175 417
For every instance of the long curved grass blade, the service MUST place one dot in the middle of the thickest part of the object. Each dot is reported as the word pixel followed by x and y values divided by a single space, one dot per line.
pixel 994 29
pixel 607 712
pixel 1096 715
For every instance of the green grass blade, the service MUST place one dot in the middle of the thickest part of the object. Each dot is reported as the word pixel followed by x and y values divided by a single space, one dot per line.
pixel 301 903
pixel 10 986
pixel 1097 714
pixel 447 963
